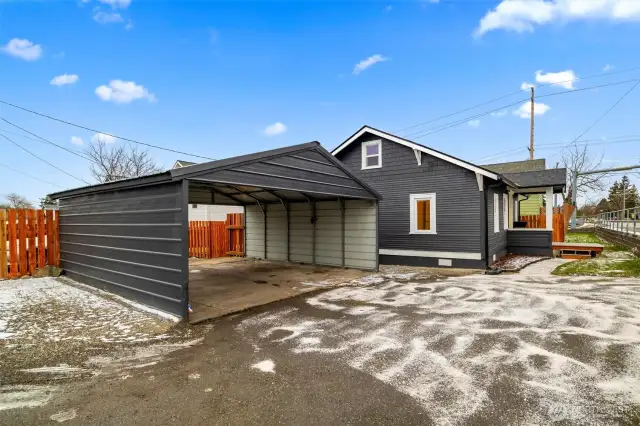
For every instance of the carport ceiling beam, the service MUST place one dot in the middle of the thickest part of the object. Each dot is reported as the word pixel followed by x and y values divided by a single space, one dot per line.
pixel 248 194
pixel 217 191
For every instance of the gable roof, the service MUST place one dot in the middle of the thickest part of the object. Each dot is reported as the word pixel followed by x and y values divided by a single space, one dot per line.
pixel 539 178
pixel 413 145
pixel 295 173
pixel 182 163
pixel 517 166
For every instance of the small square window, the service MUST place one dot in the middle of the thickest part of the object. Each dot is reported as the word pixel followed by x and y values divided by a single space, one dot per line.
pixel 423 213
pixel 372 154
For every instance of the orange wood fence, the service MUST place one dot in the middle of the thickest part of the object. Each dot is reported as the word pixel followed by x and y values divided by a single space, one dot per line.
pixel 540 221
pixel 209 239
pixel 28 241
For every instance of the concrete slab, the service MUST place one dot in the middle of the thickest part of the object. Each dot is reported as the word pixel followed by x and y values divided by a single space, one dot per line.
pixel 222 286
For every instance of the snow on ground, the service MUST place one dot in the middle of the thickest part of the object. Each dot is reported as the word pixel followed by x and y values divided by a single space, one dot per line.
pixel 515 262
pixel 537 348
pixel 266 366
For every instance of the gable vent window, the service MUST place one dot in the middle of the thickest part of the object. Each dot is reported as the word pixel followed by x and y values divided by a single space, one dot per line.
pixel 372 154
pixel 423 213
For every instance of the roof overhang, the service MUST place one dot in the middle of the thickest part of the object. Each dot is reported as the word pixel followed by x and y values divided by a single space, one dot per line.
pixel 415 146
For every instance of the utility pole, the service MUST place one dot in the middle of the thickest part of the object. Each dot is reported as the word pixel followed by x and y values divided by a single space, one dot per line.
pixel 531 150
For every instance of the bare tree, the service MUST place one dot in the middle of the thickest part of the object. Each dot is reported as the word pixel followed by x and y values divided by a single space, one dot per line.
pixel 113 162
pixel 15 201
pixel 578 158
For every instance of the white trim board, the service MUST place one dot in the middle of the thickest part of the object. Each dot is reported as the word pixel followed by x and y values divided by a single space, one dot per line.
pixel 415 146
pixel 439 254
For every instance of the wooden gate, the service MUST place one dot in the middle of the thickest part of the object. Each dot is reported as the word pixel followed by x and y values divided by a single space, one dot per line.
pixel 209 239
pixel 28 241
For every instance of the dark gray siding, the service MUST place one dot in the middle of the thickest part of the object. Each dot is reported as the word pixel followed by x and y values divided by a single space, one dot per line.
pixel 458 201
pixel 129 242
pixel 532 242
pixel 431 262
pixel 497 240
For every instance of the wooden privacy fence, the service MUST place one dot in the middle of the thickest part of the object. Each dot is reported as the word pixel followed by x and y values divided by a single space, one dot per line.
pixel 28 241
pixel 540 221
pixel 209 239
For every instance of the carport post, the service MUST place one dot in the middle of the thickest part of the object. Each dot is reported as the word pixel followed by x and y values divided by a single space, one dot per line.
pixel 286 207
pixel 314 219
pixel 264 213
pixel 342 224
pixel 185 248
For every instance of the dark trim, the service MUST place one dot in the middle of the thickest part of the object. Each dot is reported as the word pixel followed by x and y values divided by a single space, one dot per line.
pixel 185 248
pixel 386 259
pixel 113 186
pixel 272 163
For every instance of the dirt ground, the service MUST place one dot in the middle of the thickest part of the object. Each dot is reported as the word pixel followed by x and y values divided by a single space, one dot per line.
pixel 397 347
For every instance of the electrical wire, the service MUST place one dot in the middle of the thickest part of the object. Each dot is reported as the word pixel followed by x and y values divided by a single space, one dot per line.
pixel 42 159
pixel 104 133
pixel 29 176
pixel 514 93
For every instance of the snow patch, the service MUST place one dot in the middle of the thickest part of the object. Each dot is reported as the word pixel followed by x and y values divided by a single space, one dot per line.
pixel 63 416
pixel 20 396
pixel 266 366
pixel 194 376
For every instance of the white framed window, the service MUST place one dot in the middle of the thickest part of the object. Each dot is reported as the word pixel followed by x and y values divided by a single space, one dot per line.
pixel 371 154
pixel 496 212
pixel 505 211
pixel 423 213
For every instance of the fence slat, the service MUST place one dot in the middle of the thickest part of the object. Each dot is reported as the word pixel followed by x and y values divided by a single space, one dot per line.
pixel 22 241
pixel 42 260
pixel 13 244
pixel 4 272
pixel 31 235
pixel 49 225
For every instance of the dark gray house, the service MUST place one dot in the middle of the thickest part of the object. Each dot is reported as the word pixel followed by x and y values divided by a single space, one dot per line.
pixel 439 210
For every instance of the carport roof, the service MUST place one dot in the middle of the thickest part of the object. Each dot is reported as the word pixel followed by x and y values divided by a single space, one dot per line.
pixel 294 173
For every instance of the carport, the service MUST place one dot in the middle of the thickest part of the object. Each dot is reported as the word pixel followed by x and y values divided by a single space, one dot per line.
pixel 301 204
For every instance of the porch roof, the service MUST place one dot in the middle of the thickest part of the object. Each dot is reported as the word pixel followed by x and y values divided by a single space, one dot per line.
pixel 537 181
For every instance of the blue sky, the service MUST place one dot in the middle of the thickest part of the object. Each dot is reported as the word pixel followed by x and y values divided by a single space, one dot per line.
pixel 225 78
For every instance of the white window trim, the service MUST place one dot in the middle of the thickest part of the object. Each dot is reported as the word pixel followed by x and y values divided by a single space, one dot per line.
pixel 413 214
pixel 496 213
pixel 364 154
pixel 505 211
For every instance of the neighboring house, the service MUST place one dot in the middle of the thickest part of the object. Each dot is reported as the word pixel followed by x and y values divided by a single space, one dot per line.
pixel 531 204
pixel 207 212
pixel 439 210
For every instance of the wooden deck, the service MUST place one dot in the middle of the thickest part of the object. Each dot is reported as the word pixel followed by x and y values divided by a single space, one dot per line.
pixel 578 250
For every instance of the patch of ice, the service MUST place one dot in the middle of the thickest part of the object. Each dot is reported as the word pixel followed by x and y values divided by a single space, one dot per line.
pixel 266 366
pixel 59 369
pixel 63 416
pixel 19 396
pixel 194 376
pixel 208 389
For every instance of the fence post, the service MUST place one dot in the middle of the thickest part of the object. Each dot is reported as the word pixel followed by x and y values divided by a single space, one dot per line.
pixel 22 241
pixel 31 235
pixel 13 248
pixel 3 244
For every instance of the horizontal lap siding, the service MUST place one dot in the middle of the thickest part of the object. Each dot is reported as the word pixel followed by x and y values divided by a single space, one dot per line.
pixel 254 232
pixel 127 242
pixel 361 250
pixel 530 242
pixel 276 232
pixel 497 240
pixel 458 200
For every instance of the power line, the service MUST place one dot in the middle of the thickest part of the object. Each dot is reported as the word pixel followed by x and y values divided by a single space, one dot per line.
pixel 28 175
pixel 514 93
pixel 43 160
pixel 104 133
pixel 608 111
pixel 45 140
pixel 588 88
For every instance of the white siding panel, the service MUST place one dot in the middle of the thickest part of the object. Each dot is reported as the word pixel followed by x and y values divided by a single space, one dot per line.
pixel 301 230
pixel 360 235
pixel 329 233
pixel 212 212
pixel 276 232
pixel 254 222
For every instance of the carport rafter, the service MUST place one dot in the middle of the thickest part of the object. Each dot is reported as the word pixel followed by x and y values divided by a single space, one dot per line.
pixel 217 191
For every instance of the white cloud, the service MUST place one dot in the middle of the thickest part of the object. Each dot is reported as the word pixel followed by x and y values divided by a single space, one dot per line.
pixel 526 86
pixel 563 78
pixel 524 111
pixel 123 92
pixel 608 67
pixel 369 62
pixel 499 113
pixel 474 123
pixel 23 49
pixel 77 140
pixel 122 4
pixel 63 79
pixel 523 15
pixel 101 137
pixel 275 129
pixel 108 18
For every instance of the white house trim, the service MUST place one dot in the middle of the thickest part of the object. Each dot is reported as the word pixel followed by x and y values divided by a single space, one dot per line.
pixel 496 213
pixel 413 214
pixel 413 145
pixel 377 142
pixel 480 180
pixel 437 254
pixel 418 156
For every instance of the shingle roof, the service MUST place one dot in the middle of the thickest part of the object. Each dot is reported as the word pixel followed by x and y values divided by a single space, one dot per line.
pixel 517 166
pixel 540 178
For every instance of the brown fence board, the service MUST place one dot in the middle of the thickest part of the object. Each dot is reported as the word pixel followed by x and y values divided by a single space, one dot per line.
pixel 4 271
pixel 31 235
pixel 49 227
pixel 209 239
pixel 42 260
pixel 12 232
pixel 22 241
pixel 56 238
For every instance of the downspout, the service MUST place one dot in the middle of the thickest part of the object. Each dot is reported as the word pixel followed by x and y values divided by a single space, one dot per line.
pixel 526 197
